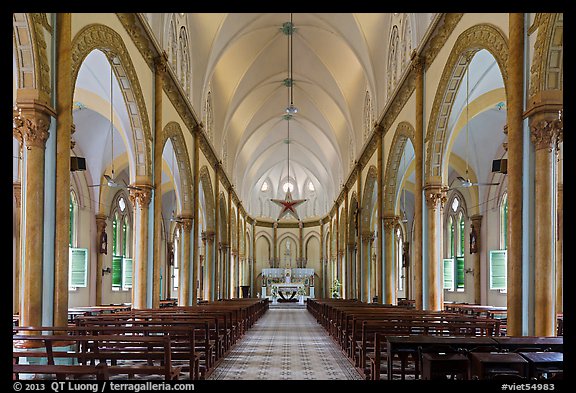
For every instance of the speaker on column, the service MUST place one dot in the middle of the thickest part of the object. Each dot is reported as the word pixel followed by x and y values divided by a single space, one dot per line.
pixel 77 164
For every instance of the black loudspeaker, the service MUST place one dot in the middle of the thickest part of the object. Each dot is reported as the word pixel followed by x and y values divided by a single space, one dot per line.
pixel 77 164
pixel 500 166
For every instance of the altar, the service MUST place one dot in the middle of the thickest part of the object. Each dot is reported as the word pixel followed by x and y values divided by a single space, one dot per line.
pixel 288 282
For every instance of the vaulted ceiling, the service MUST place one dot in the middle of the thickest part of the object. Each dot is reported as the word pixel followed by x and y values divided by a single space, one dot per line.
pixel 242 60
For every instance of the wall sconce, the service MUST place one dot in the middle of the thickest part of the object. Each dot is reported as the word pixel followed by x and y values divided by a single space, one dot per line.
pixel 107 270
pixel 469 270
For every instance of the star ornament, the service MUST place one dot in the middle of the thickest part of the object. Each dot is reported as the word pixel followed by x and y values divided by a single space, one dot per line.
pixel 288 205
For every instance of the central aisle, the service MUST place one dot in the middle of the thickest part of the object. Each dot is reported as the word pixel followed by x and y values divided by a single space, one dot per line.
pixel 286 343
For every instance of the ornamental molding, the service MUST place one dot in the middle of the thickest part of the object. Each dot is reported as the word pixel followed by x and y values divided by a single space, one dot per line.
pixel 105 39
pixel 473 39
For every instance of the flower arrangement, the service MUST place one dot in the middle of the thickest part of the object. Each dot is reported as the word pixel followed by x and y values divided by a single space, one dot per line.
pixel 335 289
pixel 301 291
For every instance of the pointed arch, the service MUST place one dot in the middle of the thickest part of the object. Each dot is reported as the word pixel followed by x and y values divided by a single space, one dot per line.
pixel 352 215
pixel 223 218
pixel 404 132
pixel 33 70
pixel 206 188
pixel 472 40
pixel 546 72
pixel 368 200
pixel 108 41
pixel 173 131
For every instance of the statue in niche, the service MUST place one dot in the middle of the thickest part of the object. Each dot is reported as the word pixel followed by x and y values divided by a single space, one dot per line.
pixel 103 242
pixel 473 240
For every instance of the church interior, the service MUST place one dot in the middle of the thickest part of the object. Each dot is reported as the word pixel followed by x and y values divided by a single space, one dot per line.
pixel 369 187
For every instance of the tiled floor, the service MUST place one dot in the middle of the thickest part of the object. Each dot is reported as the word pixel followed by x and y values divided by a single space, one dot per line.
pixel 286 343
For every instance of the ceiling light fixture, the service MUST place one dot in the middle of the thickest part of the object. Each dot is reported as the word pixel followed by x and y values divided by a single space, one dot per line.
pixel 288 204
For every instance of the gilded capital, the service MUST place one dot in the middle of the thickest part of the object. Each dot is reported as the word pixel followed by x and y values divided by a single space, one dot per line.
pixel 186 223
pixel 141 196
pixel 390 222
pixel 435 194
pixel 417 63
pixel 208 236
pixel 161 62
pixel 546 134
pixel 368 236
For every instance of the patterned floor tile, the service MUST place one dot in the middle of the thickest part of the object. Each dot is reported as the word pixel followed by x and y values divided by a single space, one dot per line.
pixel 286 343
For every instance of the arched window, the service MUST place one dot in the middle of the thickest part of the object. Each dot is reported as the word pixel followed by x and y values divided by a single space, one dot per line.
pixel 184 57
pixel 368 115
pixel 504 222
pixel 393 61
pixel 406 41
pixel 209 113
pixel 73 219
pixel 454 262
pixel 121 244
pixel 172 42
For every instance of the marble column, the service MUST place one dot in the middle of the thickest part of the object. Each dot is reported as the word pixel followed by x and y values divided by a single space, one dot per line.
pixel 514 116
pixel 322 271
pixel 209 266
pixel 390 293
pixel 159 71
pixel 17 189
pixel 367 272
pixel 357 278
pixel 217 232
pixel 140 199
pixel 418 66
pixel 100 229
pixel 275 246
pixel 64 127
pixel 546 133
pixel 559 250
pixel 252 272
pixel 300 260
pixel 435 200
pixel 196 263
pixel 32 121
pixel 350 264
pixel 380 203
pixel 185 264
pixel 476 225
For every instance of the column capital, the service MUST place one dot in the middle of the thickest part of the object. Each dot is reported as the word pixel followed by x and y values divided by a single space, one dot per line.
pixel 186 222
pixel 546 130
pixel 100 221
pixel 161 62
pixel 390 222
pixel 17 190
pixel 31 121
pixel 208 236
pixel 417 62
pixel 368 236
pixel 435 193
pixel 141 196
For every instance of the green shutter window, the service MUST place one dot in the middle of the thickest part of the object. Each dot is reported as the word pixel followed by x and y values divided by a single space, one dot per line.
pixel 505 219
pixel 449 274
pixel 114 233
pixel 127 273
pixel 451 238
pixel 116 271
pixel 461 223
pixel 71 229
pixel 460 272
pixel 498 269
pixel 78 272
pixel 124 237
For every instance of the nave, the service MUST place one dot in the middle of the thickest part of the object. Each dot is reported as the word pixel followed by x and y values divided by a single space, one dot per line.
pixel 286 343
